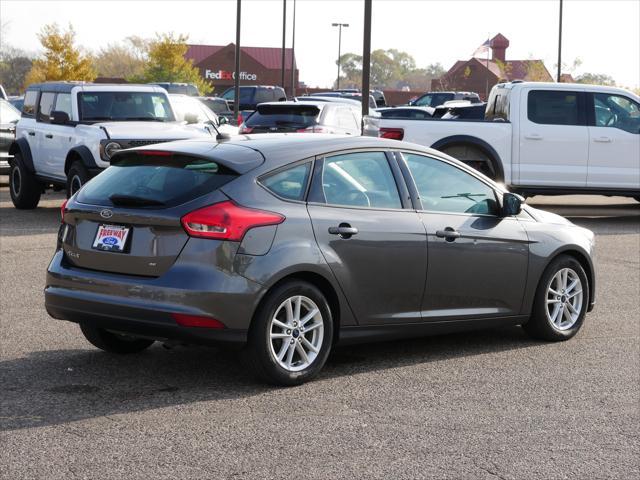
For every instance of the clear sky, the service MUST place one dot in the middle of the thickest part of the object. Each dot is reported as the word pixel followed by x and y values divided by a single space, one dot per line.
pixel 605 34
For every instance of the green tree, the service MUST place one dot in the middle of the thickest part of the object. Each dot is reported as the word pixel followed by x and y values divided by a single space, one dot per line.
pixel 61 59
pixel 596 79
pixel 14 67
pixel 122 60
pixel 165 62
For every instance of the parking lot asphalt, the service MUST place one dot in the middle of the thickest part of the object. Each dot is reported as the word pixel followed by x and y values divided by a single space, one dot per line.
pixel 489 404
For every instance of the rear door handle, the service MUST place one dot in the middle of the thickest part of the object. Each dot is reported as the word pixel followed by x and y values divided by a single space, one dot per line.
pixel 602 139
pixel 533 136
pixel 344 230
pixel 449 234
pixel 48 135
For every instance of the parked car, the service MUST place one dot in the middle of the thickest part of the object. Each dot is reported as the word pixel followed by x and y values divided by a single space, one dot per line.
pixel 69 131
pixel 220 107
pixel 192 111
pixel 406 112
pixel 544 138
pixel 9 117
pixel 251 96
pixel 460 111
pixel 289 245
pixel 378 95
pixel 17 101
pixel 314 117
pixel 348 95
pixel 435 99
pixel 179 88
pixel 316 98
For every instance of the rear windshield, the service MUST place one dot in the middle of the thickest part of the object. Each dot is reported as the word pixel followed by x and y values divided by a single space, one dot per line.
pixel 284 115
pixel 138 181
pixel 124 106
pixel 433 99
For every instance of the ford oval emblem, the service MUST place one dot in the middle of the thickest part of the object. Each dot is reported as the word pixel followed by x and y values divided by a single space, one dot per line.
pixel 106 213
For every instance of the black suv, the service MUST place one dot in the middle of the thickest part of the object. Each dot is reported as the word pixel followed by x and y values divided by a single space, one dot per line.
pixel 252 95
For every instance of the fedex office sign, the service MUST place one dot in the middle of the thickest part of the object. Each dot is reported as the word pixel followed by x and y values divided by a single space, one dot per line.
pixel 224 75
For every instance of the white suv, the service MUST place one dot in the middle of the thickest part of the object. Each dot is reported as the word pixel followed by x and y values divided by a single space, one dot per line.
pixel 68 131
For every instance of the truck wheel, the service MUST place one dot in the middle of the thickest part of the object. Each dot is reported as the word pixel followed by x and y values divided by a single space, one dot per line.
pixel 76 178
pixel 474 157
pixel 25 189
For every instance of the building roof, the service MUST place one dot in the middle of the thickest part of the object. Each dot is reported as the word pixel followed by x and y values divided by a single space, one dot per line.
pixel 509 70
pixel 269 57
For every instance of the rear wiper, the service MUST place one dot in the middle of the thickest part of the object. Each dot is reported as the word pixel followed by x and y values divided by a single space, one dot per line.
pixel 133 201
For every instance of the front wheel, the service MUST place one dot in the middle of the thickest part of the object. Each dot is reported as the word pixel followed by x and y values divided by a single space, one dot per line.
pixel 291 335
pixel 76 178
pixel 114 342
pixel 561 301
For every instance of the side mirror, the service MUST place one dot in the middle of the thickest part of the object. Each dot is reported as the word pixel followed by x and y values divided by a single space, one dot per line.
pixel 511 204
pixel 191 118
pixel 223 120
pixel 58 117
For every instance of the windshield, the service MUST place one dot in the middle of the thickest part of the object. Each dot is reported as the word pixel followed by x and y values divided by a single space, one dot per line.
pixel 218 106
pixel 124 106
pixel 183 106
pixel 284 115
pixel 433 99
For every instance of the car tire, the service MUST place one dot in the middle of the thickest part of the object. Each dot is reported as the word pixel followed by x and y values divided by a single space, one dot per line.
pixel 555 292
pixel 473 157
pixel 76 177
pixel 24 188
pixel 113 342
pixel 263 350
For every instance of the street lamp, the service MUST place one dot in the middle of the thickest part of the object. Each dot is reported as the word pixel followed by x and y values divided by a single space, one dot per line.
pixel 339 25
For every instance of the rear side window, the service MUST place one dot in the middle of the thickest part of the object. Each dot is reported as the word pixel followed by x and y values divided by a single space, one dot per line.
pixel 264 95
pixel 290 183
pixel 29 106
pixel 550 107
pixel 46 106
pixel 284 115
pixel 135 180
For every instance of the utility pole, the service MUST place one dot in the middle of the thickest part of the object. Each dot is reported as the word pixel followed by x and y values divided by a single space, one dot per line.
pixel 236 80
pixel 284 38
pixel 366 57
pixel 293 49
pixel 339 25
pixel 559 43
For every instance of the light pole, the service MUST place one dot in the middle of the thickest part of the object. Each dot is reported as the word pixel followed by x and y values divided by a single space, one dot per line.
pixel 284 37
pixel 339 25
pixel 559 44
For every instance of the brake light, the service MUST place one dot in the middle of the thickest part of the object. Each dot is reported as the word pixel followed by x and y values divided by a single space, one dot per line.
pixel 392 133
pixel 244 129
pixel 63 209
pixel 155 153
pixel 196 321
pixel 227 221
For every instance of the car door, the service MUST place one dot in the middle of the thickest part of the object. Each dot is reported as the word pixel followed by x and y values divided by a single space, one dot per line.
pixel 614 141
pixel 44 137
pixel 375 247
pixel 58 141
pixel 477 261
pixel 553 138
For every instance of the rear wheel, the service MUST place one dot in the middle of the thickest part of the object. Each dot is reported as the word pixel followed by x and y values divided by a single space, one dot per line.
pixel 474 157
pixel 24 188
pixel 291 334
pixel 114 342
pixel 76 177
pixel 561 301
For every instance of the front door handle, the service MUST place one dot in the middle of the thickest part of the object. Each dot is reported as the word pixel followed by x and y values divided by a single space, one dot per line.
pixel 533 136
pixel 602 139
pixel 449 234
pixel 344 230
pixel 48 135
pixel 32 134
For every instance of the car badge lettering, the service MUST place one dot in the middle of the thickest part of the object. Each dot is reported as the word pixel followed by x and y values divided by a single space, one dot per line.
pixel 106 213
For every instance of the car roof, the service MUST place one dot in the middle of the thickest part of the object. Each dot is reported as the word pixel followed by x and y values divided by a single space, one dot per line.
pixel 67 87
pixel 317 98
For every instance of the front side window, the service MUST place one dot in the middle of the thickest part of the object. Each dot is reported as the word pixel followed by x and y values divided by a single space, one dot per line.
pixel 290 183
pixel 63 103
pixel 124 106
pixel 360 180
pixel 46 106
pixel 616 111
pixel 445 188
pixel 29 105
pixel 550 107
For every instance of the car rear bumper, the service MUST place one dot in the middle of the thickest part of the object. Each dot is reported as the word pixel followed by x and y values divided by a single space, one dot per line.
pixel 145 306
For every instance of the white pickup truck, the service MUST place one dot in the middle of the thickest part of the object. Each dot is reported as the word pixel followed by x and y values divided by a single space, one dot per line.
pixel 543 138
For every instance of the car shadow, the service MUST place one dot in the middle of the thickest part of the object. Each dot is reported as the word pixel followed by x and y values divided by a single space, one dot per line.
pixel 59 386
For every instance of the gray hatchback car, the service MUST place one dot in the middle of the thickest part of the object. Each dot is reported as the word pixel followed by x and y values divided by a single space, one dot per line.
pixel 289 244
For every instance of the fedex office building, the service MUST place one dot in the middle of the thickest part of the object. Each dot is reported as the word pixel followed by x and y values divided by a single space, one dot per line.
pixel 258 65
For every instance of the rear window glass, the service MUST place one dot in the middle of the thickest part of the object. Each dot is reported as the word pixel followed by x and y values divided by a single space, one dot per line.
pixel 284 115
pixel 155 181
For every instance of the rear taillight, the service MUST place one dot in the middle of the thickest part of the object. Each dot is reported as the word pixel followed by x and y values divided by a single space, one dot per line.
pixel 196 321
pixel 63 209
pixel 155 153
pixel 227 221
pixel 244 129
pixel 392 133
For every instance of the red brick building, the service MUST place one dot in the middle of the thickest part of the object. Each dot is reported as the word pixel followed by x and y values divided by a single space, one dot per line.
pixel 258 65
pixel 480 74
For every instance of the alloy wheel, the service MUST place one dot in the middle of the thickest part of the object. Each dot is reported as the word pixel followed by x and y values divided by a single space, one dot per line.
pixel 16 181
pixel 296 332
pixel 564 299
pixel 76 184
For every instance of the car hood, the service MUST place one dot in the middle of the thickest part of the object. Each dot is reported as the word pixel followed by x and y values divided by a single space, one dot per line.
pixel 153 130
